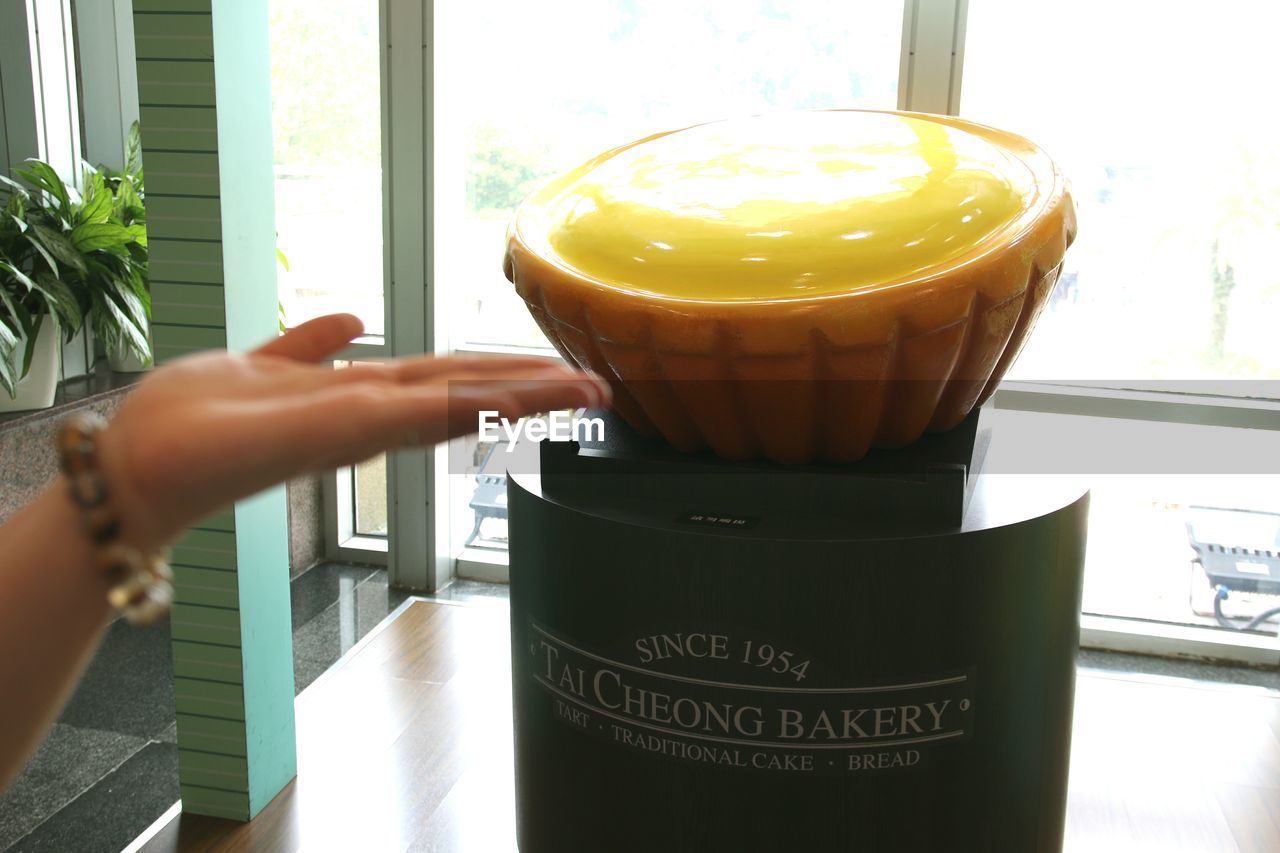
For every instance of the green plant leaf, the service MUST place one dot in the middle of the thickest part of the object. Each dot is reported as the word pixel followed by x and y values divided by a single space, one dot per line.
pixel 8 381
pixel 101 236
pixel 60 247
pixel 118 317
pixel 139 233
pixel 15 188
pixel 136 310
pixel 133 150
pixel 18 275
pixel 42 175
pixel 9 323
pixel 63 302
pixel 32 329
pixel 138 282
pixel 9 327
pixel 128 203
pixel 98 201
pixel 42 252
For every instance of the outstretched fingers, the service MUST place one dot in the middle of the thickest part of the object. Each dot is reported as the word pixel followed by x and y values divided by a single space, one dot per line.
pixel 350 422
pixel 315 340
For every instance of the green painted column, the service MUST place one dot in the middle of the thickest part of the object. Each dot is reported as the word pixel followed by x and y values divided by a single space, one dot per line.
pixel 212 234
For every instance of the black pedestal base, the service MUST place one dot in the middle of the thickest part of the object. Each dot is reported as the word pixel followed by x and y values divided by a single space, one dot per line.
pixel 689 687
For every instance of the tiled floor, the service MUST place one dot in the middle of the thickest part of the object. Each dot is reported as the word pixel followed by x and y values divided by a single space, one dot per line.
pixel 110 766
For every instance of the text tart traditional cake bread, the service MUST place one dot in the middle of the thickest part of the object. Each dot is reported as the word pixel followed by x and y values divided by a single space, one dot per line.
pixel 799 287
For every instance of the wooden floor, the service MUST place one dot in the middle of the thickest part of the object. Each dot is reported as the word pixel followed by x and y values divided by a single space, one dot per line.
pixel 407 746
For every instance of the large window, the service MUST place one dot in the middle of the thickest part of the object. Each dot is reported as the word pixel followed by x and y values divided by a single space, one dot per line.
pixel 526 90
pixel 1151 109
pixel 327 136
pixel 326 58
pixel 1171 283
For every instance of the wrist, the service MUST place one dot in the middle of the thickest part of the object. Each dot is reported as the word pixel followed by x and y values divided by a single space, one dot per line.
pixel 114 520
pixel 140 526
pixel 57 512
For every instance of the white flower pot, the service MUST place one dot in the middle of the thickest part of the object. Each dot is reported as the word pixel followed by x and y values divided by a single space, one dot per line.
pixel 123 360
pixel 36 389
pixel 77 355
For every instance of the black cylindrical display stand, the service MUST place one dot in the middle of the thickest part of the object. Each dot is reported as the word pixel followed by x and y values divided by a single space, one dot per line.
pixel 690 677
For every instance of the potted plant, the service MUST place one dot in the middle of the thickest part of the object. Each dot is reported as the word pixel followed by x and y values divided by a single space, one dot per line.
pixel 66 255
pixel 36 302
pixel 126 272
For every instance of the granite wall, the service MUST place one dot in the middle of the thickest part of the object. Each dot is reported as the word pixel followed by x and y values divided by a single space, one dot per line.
pixel 28 462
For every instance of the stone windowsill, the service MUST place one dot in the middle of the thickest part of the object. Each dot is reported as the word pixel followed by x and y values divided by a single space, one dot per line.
pixel 73 394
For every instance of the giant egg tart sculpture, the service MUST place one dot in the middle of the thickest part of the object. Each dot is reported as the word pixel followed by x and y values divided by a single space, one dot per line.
pixel 797 287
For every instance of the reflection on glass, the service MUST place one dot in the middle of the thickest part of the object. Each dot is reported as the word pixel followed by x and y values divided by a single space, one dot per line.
pixel 525 90
pixel 1141 563
pixel 366 512
pixel 1175 171
pixel 478 495
pixel 370 496
pixel 327 129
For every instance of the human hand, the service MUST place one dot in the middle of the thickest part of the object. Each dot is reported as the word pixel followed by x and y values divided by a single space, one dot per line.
pixel 203 431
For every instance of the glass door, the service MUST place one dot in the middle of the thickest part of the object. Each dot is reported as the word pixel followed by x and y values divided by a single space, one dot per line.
pixel 326 88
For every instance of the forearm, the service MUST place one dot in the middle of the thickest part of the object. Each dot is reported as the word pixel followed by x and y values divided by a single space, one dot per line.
pixel 53 607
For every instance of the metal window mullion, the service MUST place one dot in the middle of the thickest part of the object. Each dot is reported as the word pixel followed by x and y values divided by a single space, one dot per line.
pixel 406 119
pixel 933 33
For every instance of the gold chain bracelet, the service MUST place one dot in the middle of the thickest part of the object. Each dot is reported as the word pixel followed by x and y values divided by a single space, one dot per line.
pixel 141 584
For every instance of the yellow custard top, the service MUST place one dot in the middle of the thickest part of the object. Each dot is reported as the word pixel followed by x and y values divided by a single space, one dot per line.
pixel 778 206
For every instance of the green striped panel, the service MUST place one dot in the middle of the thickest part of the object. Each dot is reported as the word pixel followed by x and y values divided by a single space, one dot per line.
pixel 188 337
pixel 208 663
pixel 205 549
pixel 210 587
pixel 225 520
pixel 177 129
pixel 209 699
pixel 147 7
pixel 197 623
pixel 210 735
pixel 184 262
pixel 181 173
pixel 173 37
pixel 207 770
pixel 215 803
pixel 165 83
pixel 165 354
pixel 170 342
pixel 187 304
pixel 173 218
pixel 235 724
